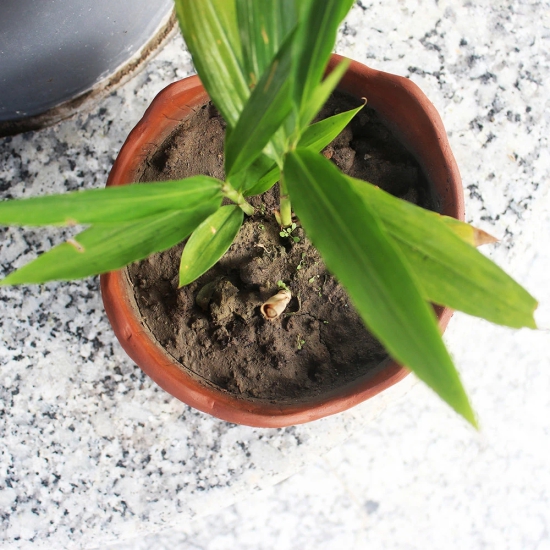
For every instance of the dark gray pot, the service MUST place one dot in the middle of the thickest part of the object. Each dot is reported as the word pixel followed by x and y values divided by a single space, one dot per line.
pixel 52 51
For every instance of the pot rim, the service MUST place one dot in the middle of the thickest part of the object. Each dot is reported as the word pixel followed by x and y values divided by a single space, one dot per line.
pixel 172 105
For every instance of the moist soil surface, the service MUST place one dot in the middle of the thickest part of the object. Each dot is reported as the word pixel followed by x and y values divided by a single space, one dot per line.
pixel 213 327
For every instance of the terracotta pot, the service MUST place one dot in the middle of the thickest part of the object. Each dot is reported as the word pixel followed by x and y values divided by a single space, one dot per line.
pixel 406 110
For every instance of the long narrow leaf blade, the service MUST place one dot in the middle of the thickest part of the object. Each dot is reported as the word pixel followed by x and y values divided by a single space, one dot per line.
pixel 314 44
pixel 104 248
pixel 209 242
pixel 265 111
pixel 468 233
pixel 450 271
pixel 263 28
pixel 263 167
pixel 265 182
pixel 355 248
pixel 112 204
pixel 211 33
pixel 321 93
pixel 319 135
pixel 264 173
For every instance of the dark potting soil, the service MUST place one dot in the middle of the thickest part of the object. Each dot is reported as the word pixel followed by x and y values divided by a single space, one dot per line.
pixel 319 343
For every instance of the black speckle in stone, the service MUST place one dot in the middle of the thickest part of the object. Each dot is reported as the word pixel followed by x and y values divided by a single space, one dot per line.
pixel 474 192
pixel 475 124
pixel 487 77
pixel 472 59
pixel 4 186
pixel 348 31
pixel 490 138
pixel 371 506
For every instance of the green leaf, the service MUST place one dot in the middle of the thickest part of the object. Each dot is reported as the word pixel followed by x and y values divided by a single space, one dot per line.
pixel 265 111
pixel 264 173
pixel 356 249
pixel 112 204
pixel 321 93
pixel 264 183
pixel 314 44
pixel 319 135
pixel 104 248
pixel 211 33
pixel 263 28
pixel 468 233
pixel 450 271
pixel 257 178
pixel 209 242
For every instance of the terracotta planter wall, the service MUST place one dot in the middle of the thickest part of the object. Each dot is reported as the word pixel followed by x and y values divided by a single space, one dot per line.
pixel 406 110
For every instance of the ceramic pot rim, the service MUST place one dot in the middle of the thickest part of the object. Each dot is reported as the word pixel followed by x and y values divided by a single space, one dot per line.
pixel 396 99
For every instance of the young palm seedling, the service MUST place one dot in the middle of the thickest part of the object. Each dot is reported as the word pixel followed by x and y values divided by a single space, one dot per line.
pixel 263 64
pixel 286 232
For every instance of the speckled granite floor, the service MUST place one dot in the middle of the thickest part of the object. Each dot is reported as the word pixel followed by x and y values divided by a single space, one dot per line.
pixel 92 453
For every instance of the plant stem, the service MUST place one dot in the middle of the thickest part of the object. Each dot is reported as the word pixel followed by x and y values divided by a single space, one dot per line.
pixel 238 198
pixel 286 210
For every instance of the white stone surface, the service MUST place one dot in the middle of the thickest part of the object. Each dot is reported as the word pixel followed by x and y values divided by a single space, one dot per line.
pixel 92 452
